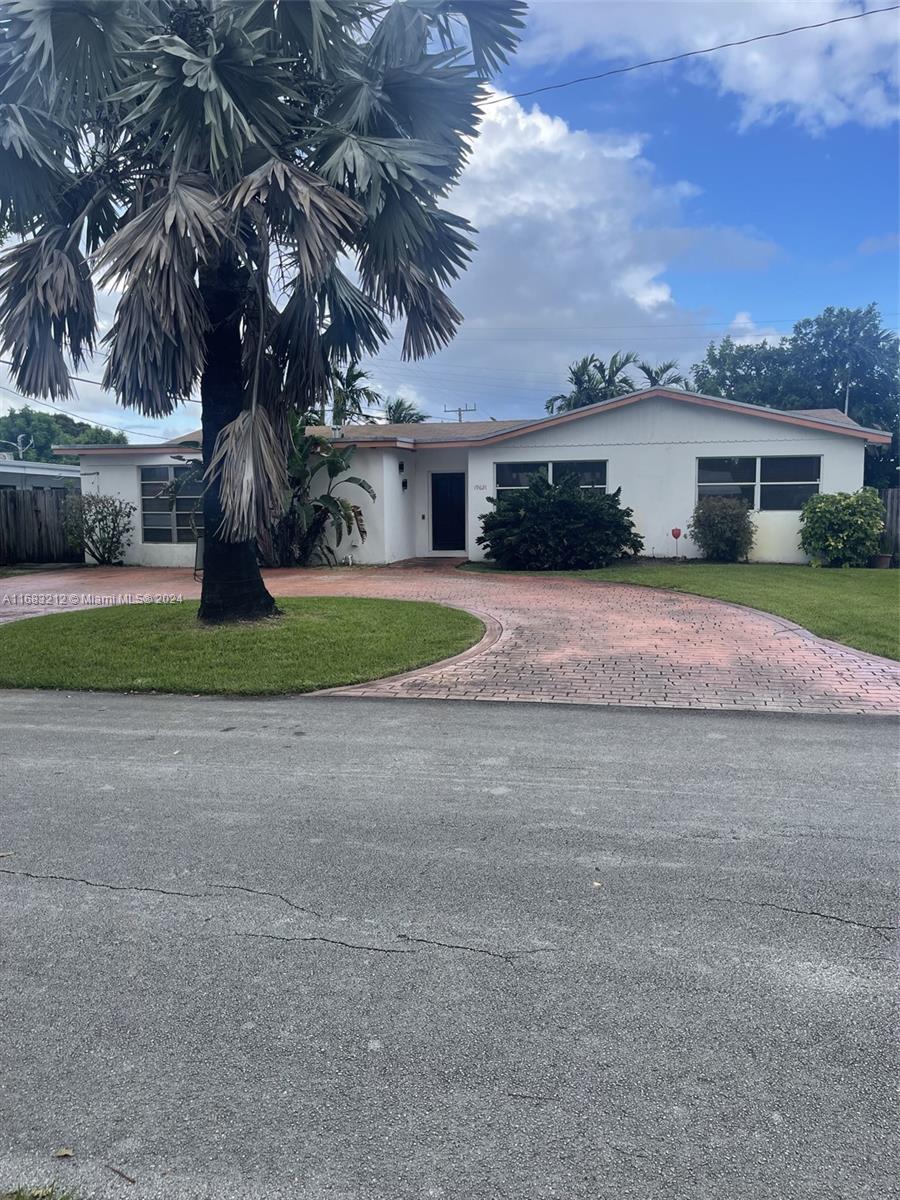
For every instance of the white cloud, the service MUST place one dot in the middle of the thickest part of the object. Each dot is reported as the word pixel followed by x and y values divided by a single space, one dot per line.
pixel 744 331
pixel 819 78
pixel 577 234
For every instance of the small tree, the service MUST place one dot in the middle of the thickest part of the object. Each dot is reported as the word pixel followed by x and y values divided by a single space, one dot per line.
pixel 300 536
pixel 102 525
pixel 722 527
pixel 558 527
pixel 842 529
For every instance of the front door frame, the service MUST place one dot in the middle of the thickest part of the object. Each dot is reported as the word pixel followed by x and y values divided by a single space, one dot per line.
pixel 464 548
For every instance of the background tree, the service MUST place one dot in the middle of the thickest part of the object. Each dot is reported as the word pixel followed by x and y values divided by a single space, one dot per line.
pixel 351 396
pixel 844 358
pixel 403 412
pixel 191 153
pixel 664 374
pixel 52 429
pixel 592 380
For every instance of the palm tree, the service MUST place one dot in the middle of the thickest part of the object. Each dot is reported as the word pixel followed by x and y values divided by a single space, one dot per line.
pixel 592 380
pixel 664 374
pixel 190 152
pixel 403 412
pixel 350 396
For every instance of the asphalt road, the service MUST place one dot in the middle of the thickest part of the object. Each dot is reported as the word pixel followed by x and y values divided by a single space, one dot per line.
pixel 369 950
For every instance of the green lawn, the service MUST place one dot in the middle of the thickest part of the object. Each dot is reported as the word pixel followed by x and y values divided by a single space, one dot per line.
pixel 858 607
pixel 319 642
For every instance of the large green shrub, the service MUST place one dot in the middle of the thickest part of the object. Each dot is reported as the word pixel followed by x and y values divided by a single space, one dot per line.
pixel 557 527
pixel 842 529
pixel 722 527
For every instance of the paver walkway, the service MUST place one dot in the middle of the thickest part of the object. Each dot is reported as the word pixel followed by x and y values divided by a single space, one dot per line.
pixel 561 640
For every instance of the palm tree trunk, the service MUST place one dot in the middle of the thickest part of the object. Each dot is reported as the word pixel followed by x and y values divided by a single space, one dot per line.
pixel 233 589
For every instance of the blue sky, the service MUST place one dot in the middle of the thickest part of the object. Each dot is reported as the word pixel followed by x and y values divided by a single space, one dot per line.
pixel 733 193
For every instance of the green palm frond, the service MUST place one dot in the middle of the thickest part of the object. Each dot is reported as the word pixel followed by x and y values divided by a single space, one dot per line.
pixel 32 165
pixel 46 307
pixel 71 54
pixel 202 110
pixel 351 323
pixel 495 27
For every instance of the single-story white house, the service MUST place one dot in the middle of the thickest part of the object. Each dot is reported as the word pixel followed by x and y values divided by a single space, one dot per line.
pixel 21 474
pixel 662 447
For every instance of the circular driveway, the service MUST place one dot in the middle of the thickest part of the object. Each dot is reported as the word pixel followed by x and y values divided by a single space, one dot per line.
pixel 561 640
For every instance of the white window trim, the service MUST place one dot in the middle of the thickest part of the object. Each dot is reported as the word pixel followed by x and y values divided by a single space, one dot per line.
pixel 757 483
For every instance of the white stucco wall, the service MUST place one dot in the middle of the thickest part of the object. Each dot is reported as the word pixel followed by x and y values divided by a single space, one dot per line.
pixel 120 476
pixel 652 448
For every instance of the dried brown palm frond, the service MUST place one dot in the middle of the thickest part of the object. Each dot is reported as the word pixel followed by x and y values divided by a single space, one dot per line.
pixel 249 465
pixel 46 307
pixel 157 338
pixel 314 219
pixel 155 356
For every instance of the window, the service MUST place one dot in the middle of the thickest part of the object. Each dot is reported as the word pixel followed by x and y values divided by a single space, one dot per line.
pixel 787 483
pixel 784 483
pixel 167 516
pixel 727 477
pixel 514 475
pixel 518 474
pixel 587 474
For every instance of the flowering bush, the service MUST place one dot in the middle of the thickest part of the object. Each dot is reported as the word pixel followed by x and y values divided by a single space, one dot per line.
pixel 842 529
pixel 102 525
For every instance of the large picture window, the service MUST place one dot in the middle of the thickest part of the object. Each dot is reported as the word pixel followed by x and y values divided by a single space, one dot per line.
pixel 518 474
pixel 168 519
pixel 770 484
pixel 588 473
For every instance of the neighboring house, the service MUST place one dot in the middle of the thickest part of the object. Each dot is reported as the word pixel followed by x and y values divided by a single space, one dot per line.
pixel 19 473
pixel 662 447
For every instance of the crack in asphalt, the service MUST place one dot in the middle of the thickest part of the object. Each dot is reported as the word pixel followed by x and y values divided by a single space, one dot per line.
pixel 275 937
pixel 879 930
pixel 132 887
pixel 111 887
pixel 508 956
pixel 237 887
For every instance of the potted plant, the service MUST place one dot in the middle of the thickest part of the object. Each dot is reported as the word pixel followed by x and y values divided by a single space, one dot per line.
pixel 885 556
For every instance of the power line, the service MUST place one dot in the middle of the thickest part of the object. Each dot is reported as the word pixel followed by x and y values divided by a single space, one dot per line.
pixel 657 62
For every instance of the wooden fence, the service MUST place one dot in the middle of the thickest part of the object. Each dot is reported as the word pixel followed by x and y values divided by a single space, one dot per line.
pixel 31 527
pixel 890 498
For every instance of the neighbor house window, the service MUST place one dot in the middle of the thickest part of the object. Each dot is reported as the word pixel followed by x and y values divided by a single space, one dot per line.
pixel 779 482
pixel 787 483
pixel 588 474
pixel 168 517
pixel 518 474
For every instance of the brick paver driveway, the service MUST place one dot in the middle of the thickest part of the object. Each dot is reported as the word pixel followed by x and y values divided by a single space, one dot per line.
pixel 564 640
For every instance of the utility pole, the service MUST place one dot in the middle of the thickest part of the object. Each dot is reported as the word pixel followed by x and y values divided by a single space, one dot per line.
pixel 460 410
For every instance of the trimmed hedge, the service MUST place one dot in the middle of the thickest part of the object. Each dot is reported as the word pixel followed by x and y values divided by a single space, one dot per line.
pixel 842 529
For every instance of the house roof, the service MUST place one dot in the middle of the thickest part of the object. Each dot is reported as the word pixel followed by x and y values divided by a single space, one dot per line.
pixel 441 434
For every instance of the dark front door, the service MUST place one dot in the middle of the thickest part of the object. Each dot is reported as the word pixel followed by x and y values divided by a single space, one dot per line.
pixel 448 511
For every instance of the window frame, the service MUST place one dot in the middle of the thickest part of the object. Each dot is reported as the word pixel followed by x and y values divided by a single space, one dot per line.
pixel 758 483
pixel 549 465
pixel 192 527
